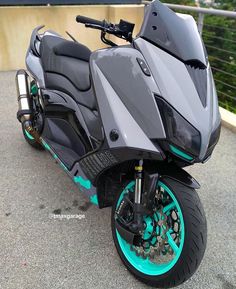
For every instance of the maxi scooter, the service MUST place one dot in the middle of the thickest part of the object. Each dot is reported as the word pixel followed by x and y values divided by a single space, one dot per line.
pixel 124 122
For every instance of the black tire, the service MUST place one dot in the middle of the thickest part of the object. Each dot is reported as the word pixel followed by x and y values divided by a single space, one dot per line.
pixel 32 142
pixel 194 242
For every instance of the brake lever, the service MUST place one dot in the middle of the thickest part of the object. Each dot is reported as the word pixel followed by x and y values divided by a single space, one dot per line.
pixel 94 26
pixel 107 41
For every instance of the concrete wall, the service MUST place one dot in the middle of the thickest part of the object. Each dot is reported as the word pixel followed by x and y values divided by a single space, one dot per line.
pixel 17 23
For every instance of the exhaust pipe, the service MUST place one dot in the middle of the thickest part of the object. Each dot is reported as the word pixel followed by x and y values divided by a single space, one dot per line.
pixel 25 103
pixel 24 100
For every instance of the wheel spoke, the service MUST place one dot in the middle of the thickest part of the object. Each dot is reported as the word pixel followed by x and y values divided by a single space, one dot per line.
pixel 171 231
pixel 168 207
pixel 172 243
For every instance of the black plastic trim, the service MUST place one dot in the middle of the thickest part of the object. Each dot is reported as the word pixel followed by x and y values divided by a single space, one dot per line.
pixel 176 173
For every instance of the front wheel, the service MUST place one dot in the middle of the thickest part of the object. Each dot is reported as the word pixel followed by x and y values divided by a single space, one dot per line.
pixel 174 239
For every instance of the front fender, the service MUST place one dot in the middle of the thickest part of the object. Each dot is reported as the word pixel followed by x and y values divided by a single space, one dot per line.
pixel 178 174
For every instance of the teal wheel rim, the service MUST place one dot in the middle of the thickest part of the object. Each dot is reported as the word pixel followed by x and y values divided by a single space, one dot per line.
pixel 29 136
pixel 145 266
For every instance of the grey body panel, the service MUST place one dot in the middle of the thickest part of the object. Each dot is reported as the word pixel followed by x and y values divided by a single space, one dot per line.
pixel 135 89
pixel 113 108
pixel 33 64
pixel 178 89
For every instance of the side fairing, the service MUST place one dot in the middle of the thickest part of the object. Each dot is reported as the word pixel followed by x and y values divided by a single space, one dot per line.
pixel 177 87
pixel 126 99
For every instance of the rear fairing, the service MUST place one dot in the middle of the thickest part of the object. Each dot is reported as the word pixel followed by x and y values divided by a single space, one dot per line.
pixel 32 60
pixel 34 66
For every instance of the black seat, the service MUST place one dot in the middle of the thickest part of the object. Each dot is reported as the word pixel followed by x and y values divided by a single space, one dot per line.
pixel 66 58
pixel 66 67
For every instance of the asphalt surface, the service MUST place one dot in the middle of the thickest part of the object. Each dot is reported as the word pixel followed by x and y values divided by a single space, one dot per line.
pixel 37 251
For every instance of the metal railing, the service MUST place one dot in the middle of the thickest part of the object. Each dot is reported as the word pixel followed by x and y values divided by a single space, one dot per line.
pixel 220 42
pixel 64 2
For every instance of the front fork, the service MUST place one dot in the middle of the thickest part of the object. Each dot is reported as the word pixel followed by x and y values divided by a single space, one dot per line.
pixel 145 189
pixel 137 225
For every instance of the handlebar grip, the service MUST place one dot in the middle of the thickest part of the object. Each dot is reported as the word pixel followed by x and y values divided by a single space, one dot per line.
pixel 87 20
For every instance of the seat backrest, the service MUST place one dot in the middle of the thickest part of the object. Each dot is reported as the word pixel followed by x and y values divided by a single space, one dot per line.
pixel 72 49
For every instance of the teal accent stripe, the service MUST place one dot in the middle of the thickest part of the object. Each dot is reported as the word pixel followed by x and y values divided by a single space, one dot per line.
pixel 94 199
pixel 84 183
pixel 47 147
pixel 29 136
pixel 180 153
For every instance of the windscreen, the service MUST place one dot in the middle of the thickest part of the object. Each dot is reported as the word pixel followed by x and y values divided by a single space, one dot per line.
pixel 175 33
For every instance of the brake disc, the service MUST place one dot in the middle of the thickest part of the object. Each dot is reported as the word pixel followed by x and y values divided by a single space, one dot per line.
pixel 160 223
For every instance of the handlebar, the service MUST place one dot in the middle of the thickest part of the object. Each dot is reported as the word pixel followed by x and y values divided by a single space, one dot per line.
pixel 87 20
pixel 122 30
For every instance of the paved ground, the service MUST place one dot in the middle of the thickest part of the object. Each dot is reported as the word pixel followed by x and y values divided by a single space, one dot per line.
pixel 37 251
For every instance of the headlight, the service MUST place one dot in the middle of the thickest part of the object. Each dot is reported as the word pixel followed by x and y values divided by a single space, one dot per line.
pixel 179 131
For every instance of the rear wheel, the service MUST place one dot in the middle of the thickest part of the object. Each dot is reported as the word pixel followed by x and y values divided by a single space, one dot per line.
pixel 174 239
pixel 30 140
